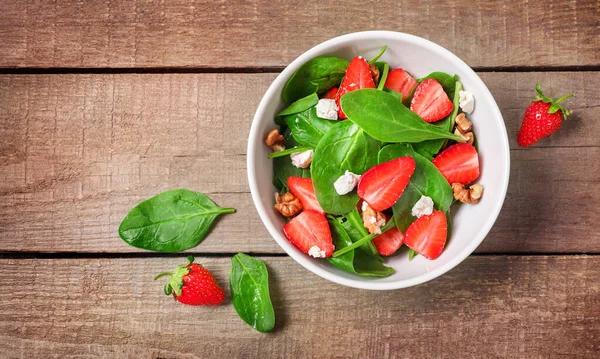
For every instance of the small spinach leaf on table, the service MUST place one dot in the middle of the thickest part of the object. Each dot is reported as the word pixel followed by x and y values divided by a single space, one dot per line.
pixel 283 167
pixel 172 221
pixel 308 128
pixel 355 261
pixel 302 104
pixel 383 117
pixel 425 181
pixel 344 148
pixel 430 148
pixel 249 285
pixel 316 75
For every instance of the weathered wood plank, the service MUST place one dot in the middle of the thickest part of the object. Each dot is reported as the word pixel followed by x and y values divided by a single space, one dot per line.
pixel 487 307
pixel 78 151
pixel 180 33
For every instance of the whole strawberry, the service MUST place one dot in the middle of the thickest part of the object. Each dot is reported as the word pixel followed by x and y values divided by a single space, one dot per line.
pixel 193 284
pixel 542 117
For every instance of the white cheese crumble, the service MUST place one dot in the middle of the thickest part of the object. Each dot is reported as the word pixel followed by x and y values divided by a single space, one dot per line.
pixel 316 252
pixel 466 101
pixel 365 205
pixel 327 109
pixel 423 207
pixel 302 159
pixel 346 183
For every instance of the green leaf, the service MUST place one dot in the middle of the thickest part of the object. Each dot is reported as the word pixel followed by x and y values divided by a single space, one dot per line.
pixel 283 167
pixel 307 128
pixel 344 147
pixel 288 151
pixel 379 54
pixel 172 221
pixel 316 75
pixel 431 148
pixel 412 254
pixel 384 75
pixel 301 105
pixel 353 224
pixel 355 261
pixel 396 94
pixel 425 181
pixel 249 285
pixel 447 81
pixel 384 118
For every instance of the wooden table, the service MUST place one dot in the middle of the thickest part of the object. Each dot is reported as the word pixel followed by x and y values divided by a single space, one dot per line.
pixel 105 103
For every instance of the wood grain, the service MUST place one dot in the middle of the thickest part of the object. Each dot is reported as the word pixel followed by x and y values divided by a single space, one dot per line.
pixel 487 307
pixel 79 151
pixel 236 34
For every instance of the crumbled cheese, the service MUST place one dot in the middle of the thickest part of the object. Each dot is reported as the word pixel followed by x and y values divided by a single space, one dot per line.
pixel 316 252
pixel 327 109
pixel 423 207
pixel 365 205
pixel 466 101
pixel 302 159
pixel 346 183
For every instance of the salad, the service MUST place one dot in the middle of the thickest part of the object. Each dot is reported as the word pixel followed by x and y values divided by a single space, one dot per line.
pixel 368 159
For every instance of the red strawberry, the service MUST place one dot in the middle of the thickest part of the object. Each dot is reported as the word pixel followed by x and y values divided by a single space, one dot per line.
pixel 458 163
pixel 427 235
pixel 310 229
pixel 358 76
pixel 399 80
pixel 430 101
pixel 542 118
pixel 193 284
pixel 388 242
pixel 302 188
pixel 382 185
pixel 331 93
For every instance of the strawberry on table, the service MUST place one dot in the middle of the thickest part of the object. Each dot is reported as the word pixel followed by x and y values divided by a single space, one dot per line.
pixel 358 76
pixel 458 163
pixel 302 188
pixel 401 81
pixel 193 284
pixel 309 231
pixel 542 118
pixel 430 101
pixel 382 185
pixel 427 235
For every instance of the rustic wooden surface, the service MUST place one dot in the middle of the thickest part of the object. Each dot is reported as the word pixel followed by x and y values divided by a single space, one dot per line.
pixel 488 307
pixel 104 103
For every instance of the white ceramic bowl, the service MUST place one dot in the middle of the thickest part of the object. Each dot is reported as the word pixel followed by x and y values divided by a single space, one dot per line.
pixel 471 223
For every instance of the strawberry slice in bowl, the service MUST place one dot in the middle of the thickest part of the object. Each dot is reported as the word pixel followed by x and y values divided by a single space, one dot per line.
pixel 427 235
pixel 358 76
pixel 382 185
pixel 309 231
pixel 401 81
pixel 458 163
pixel 302 188
pixel 430 101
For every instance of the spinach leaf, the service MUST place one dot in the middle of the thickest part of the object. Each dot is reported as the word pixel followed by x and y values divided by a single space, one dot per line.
pixel 302 104
pixel 316 75
pixel 283 167
pixel 412 254
pixel 353 224
pixel 307 128
pixel 355 261
pixel 386 119
pixel 171 221
pixel 249 285
pixel 425 181
pixel 384 75
pixel 430 148
pixel 344 147
pixel 396 94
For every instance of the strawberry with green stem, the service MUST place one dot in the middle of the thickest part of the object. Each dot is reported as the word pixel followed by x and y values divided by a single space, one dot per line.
pixel 542 118
pixel 193 284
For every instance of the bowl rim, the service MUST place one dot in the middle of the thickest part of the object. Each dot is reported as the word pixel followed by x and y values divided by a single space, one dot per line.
pixel 276 233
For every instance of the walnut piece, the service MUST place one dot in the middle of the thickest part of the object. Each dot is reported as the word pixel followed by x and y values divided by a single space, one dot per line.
pixel 275 141
pixel 288 205
pixel 375 72
pixel 470 195
pixel 468 137
pixel 372 220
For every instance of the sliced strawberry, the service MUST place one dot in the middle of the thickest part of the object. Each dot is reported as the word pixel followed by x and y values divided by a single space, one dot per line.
pixel 358 76
pixel 302 188
pixel 427 235
pixel 331 93
pixel 430 101
pixel 310 229
pixel 382 185
pixel 388 242
pixel 400 80
pixel 458 163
